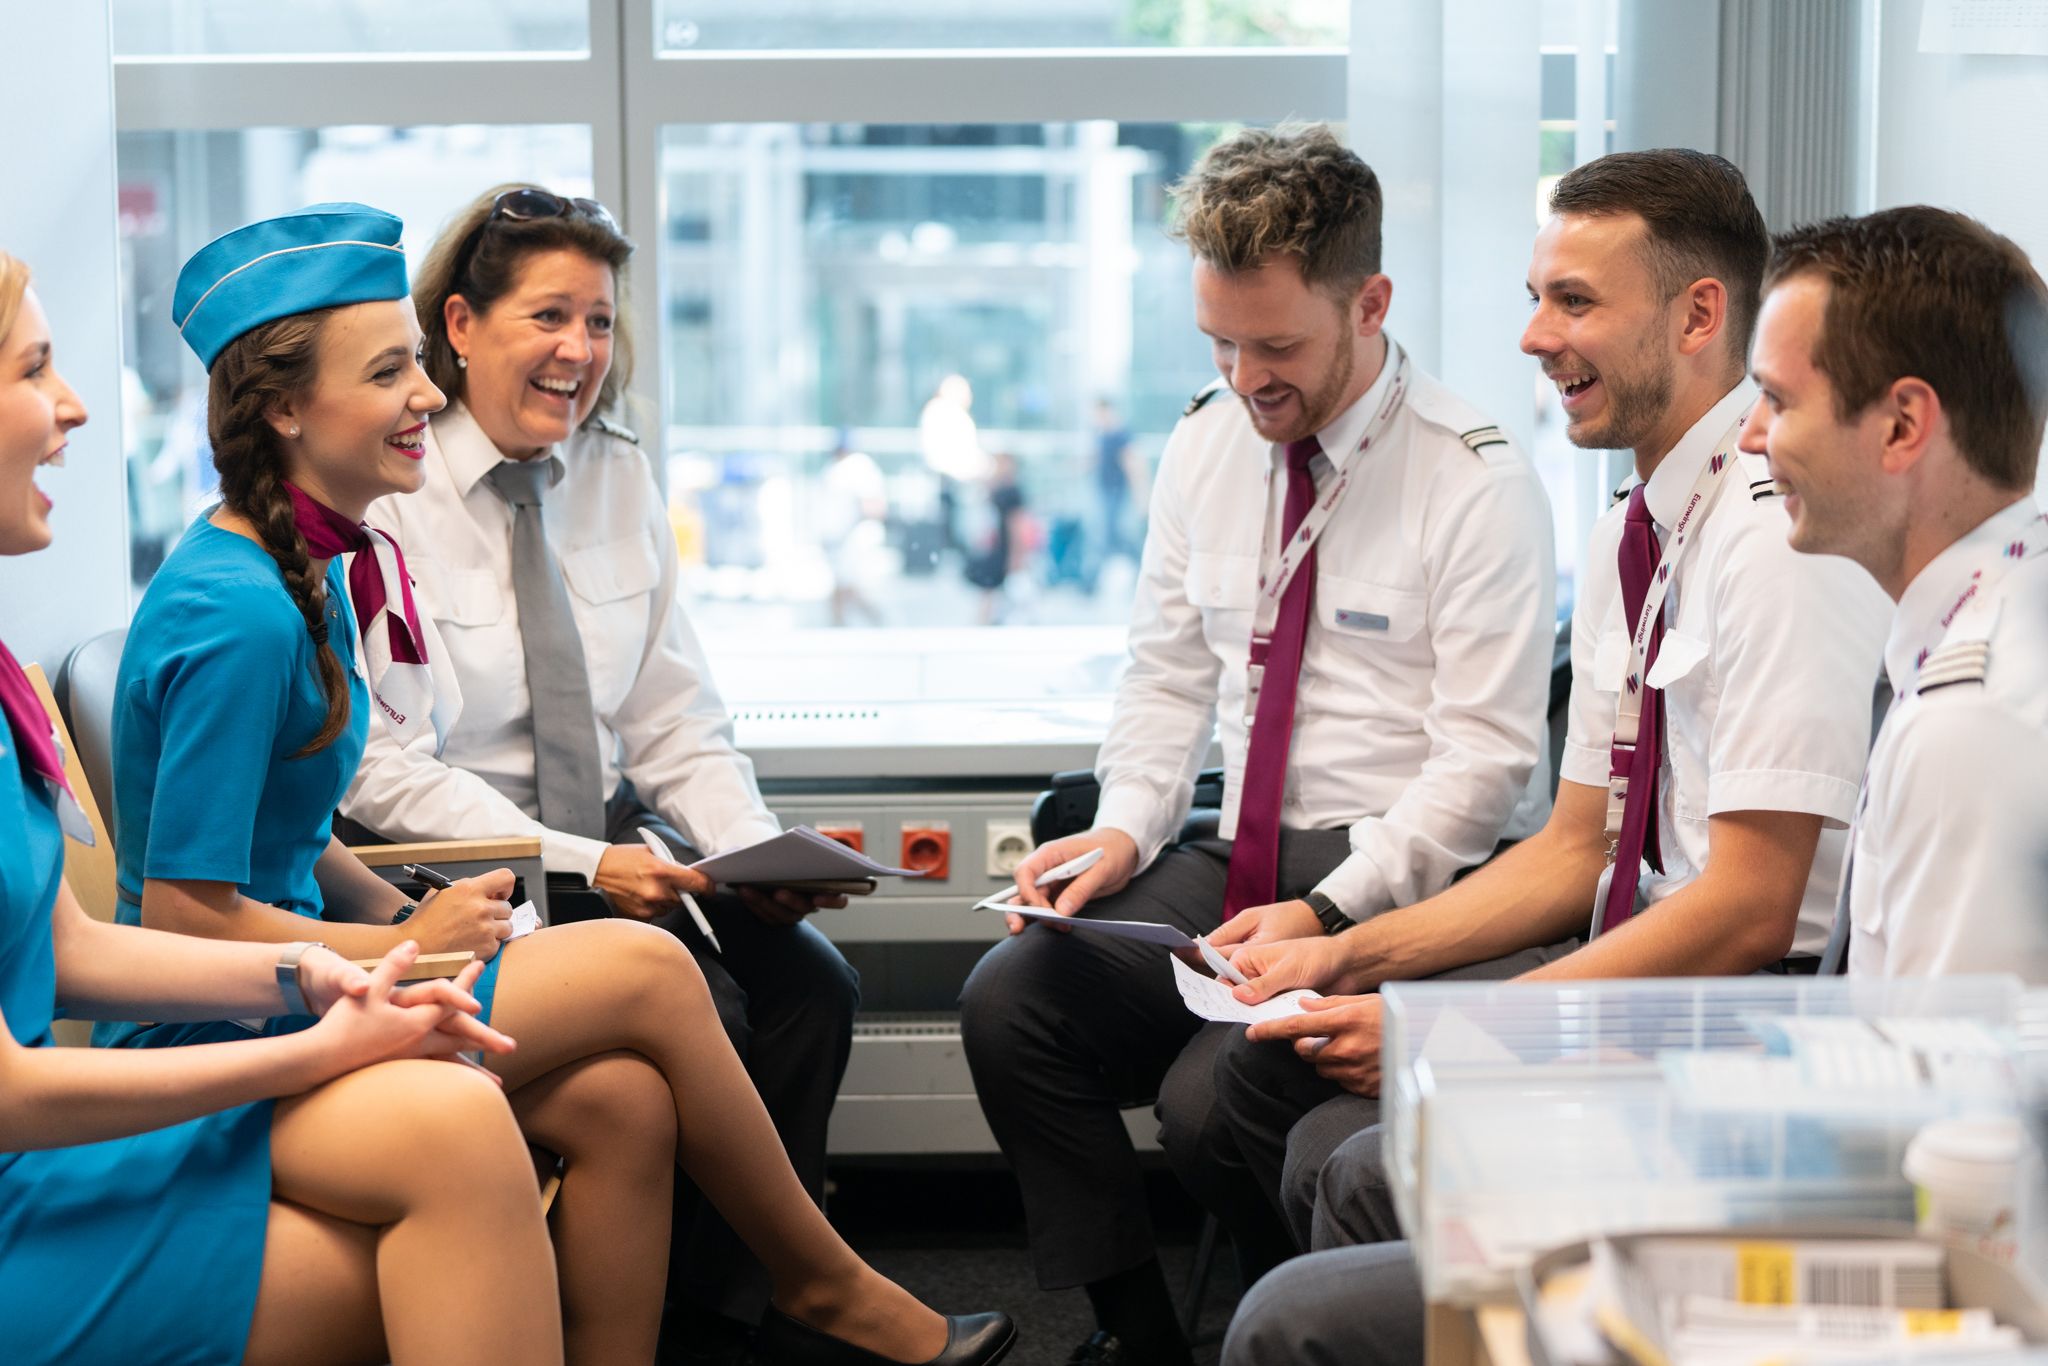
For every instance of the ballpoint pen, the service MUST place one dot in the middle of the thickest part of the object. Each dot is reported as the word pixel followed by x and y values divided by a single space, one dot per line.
pixel 419 872
pixel 662 852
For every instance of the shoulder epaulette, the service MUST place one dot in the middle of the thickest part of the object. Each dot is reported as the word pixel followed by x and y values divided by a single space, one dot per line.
pixel 1756 470
pixel 611 428
pixel 1203 395
pixel 1964 661
pixel 1480 437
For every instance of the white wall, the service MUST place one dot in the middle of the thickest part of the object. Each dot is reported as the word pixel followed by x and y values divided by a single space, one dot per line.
pixel 1961 132
pixel 58 214
pixel 1443 103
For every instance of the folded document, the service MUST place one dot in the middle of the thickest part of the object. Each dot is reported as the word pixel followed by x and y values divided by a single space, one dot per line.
pixel 797 855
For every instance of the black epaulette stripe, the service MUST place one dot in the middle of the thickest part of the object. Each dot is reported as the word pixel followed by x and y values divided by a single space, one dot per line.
pixel 1203 395
pixel 611 428
pixel 1483 436
pixel 1938 684
pixel 1760 489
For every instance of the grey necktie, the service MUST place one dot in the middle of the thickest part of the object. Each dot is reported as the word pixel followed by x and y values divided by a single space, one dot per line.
pixel 566 771
pixel 1834 959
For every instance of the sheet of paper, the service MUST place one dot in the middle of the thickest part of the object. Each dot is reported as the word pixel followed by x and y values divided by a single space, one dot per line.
pixel 797 855
pixel 525 920
pixel 1212 1000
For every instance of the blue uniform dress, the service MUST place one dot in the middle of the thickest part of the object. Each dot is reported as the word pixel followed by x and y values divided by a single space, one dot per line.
pixel 146 1248
pixel 218 691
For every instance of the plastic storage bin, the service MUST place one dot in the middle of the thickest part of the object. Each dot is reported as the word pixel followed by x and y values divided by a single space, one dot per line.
pixel 1521 1116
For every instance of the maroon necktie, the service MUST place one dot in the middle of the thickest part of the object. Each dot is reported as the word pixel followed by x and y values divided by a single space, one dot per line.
pixel 1255 854
pixel 1638 837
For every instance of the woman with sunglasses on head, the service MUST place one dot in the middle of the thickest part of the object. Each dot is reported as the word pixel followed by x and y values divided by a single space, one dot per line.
pixel 248 684
pixel 542 550
pixel 262 1200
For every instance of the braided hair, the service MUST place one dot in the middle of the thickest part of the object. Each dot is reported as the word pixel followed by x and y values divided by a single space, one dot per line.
pixel 255 373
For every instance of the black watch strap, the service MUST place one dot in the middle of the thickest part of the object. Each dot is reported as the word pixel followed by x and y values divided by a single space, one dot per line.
pixel 1332 916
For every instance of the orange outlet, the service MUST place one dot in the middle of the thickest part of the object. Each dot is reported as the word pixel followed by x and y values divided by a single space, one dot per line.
pixel 849 835
pixel 929 848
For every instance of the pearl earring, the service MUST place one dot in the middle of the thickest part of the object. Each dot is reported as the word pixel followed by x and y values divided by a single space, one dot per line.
pixel 294 431
pixel 462 362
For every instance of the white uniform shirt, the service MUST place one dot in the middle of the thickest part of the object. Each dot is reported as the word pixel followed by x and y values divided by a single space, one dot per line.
pixel 1951 871
pixel 659 721
pixel 1419 717
pixel 1768 665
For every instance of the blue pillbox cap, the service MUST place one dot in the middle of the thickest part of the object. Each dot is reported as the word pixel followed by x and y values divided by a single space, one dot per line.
pixel 317 257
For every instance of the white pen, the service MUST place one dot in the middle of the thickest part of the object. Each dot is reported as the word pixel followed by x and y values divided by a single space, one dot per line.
pixel 662 852
pixel 1073 867
pixel 1218 964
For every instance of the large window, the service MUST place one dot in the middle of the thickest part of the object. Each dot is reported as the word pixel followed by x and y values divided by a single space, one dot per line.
pixel 911 329
pixel 919 375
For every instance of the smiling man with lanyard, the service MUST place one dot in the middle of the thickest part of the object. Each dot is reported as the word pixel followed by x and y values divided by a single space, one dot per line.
pixel 1903 363
pixel 1348 576
pixel 1719 720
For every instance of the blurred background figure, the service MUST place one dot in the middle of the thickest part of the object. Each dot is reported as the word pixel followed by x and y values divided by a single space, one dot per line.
pixel 1006 546
pixel 1120 488
pixel 951 446
pixel 852 506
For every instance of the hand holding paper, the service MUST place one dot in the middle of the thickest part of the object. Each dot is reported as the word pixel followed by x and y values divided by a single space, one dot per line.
pixel 1212 1000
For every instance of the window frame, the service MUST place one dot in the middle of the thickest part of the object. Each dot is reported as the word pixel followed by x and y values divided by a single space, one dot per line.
pixel 625 89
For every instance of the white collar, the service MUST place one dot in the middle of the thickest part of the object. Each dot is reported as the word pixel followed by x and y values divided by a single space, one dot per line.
pixel 470 454
pixel 1931 601
pixel 1347 428
pixel 1672 480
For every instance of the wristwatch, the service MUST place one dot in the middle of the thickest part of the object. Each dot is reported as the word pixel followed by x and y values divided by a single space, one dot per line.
pixel 1332 916
pixel 290 983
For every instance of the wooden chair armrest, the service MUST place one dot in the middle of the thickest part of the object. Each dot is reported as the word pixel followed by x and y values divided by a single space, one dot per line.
pixel 504 849
pixel 426 966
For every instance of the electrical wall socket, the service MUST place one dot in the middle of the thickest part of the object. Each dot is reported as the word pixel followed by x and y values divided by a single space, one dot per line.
pixel 1009 844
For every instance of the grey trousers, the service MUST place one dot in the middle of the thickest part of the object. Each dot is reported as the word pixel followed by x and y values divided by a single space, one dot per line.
pixel 1250 1127
pixel 1351 1306
pixel 1065 1030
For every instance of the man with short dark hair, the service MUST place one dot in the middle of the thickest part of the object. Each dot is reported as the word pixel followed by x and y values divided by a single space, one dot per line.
pixel 1718 722
pixel 1903 364
pixel 1348 575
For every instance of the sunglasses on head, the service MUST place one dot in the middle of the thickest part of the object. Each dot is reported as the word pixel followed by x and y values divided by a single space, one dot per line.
pixel 525 205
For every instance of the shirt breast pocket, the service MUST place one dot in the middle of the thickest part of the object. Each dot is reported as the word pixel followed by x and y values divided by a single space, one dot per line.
pixel 458 597
pixel 611 584
pixel 1373 622
pixel 1225 588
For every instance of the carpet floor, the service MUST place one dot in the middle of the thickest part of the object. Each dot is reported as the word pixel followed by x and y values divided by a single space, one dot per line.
pixel 955 1238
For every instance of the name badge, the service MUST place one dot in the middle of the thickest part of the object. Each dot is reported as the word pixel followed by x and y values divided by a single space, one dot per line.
pixel 1362 621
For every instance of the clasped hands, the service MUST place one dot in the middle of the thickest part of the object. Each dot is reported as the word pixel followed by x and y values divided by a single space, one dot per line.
pixel 366 1016
pixel 1282 947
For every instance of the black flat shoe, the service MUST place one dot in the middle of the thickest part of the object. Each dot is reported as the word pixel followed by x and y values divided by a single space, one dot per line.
pixel 971 1340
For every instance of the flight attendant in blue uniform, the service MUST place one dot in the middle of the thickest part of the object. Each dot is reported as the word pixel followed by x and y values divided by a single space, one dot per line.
pixel 262 1200
pixel 253 669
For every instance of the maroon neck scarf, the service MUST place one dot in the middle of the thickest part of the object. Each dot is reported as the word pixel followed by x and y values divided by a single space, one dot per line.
pixel 328 534
pixel 33 734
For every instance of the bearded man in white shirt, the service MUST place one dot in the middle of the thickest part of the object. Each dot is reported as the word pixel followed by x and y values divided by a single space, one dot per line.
pixel 1720 714
pixel 1903 363
pixel 1348 576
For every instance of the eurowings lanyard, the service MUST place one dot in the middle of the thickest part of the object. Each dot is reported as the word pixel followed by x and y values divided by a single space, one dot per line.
pixel 1628 711
pixel 1273 583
